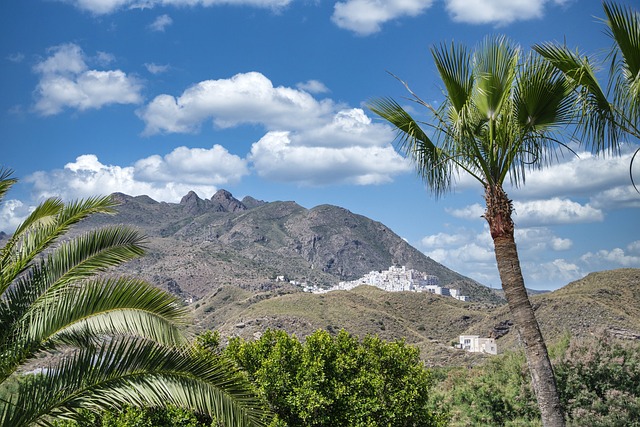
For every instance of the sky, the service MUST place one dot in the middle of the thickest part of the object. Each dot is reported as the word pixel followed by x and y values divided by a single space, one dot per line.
pixel 267 98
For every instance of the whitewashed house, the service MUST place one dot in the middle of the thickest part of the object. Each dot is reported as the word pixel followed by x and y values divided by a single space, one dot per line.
pixel 476 344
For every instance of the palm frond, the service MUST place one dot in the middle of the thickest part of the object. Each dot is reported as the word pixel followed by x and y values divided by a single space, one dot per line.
pixel 495 65
pixel 6 181
pixel 427 157
pixel 139 373
pixel 50 220
pixel 454 66
pixel 107 306
pixel 542 97
pixel 624 28
pixel 599 118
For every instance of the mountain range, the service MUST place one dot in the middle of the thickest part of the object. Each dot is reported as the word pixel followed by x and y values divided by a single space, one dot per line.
pixel 222 257
pixel 199 244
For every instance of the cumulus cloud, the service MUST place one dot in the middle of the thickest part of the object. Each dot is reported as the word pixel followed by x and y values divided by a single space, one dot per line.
pixel 586 174
pixel 67 82
pixel 348 150
pixel 102 7
pixel 366 17
pixel 163 178
pixel 536 240
pixel 471 252
pixel 615 256
pixel 161 23
pixel 539 212
pixel 244 98
pixel 308 141
pixel 554 211
pixel 494 11
pixel 472 212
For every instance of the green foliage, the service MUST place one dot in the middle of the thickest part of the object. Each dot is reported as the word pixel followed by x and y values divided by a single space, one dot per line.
pixel 497 393
pixel 338 380
pixel 169 416
pixel 599 382
pixel 122 338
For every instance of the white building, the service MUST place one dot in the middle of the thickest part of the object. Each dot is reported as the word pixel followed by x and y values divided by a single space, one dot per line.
pixel 398 279
pixel 476 344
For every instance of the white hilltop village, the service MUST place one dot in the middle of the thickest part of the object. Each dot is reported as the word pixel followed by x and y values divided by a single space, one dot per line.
pixel 396 279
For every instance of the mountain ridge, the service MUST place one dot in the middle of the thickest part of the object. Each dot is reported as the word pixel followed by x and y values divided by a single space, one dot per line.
pixel 198 244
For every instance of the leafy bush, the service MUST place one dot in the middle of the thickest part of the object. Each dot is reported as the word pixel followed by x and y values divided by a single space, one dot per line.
pixel 338 380
pixel 497 393
pixel 599 382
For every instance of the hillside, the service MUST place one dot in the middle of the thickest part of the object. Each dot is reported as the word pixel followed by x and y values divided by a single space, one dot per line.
pixel 607 301
pixel 197 245
pixel 428 321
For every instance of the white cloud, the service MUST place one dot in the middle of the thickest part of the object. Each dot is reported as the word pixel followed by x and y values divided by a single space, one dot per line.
pixel 349 152
pixel 538 212
pixel 470 252
pixel 199 166
pixel 587 175
pixel 12 213
pixel 560 244
pixel 554 211
pixel 472 212
pixel 165 178
pixel 308 141
pixel 540 240
pixel 244 98
pixel 156 69
pixel 558 271
pixel 102 7
pixel 500 12
pixel 105 58
pixel 365 17
pixel 616 256
pixel 313 86
pixel 67 82
pixel 444 240
pixel 161 23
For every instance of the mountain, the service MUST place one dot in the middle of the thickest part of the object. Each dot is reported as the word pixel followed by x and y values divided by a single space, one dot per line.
pixel 197 245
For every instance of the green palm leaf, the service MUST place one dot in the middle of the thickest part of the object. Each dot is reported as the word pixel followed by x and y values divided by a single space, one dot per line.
pixel 126 336
pixel 624 28
pixel 139 373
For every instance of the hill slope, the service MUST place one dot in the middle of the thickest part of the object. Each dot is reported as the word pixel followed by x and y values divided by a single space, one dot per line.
pixel 198 245
pixel 607 301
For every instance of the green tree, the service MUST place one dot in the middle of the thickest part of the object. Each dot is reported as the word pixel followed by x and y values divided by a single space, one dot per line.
pixel 121 339
pixel 606 114
pixel 503 113
pixel 338 380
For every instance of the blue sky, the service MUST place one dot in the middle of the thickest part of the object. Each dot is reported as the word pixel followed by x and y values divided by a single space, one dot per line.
pixel 266 98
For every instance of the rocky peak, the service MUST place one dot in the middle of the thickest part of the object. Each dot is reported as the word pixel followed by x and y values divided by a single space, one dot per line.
pixel 193 204
pixel 228 203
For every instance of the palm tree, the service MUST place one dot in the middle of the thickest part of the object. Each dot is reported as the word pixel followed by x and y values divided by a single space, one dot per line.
pixel 121 339
pixel 503 114
pixel 607 114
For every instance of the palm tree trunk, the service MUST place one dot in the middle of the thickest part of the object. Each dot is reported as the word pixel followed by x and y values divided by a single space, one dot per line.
pixel 498 215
